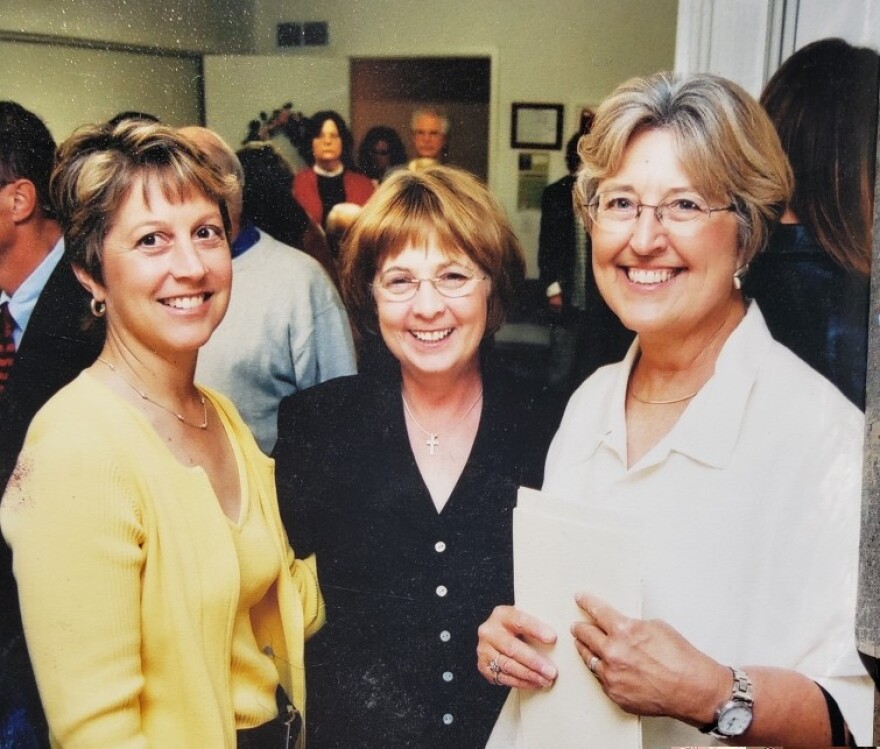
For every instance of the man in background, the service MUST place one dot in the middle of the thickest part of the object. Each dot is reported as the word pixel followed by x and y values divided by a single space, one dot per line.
pixel 430 129
pixel 47 337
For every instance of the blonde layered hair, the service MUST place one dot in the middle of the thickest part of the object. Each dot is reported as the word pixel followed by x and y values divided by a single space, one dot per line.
pixel 96 167
pixel 725 141
pixel 440 203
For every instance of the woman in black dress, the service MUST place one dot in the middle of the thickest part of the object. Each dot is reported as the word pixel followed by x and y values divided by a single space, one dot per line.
pixel 402 482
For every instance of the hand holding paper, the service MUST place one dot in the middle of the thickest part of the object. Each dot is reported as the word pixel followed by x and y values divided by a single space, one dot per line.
pixel 647 667
pixel 504 639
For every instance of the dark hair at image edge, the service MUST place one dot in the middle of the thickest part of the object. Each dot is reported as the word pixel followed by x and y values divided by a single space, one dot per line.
pixel 823 102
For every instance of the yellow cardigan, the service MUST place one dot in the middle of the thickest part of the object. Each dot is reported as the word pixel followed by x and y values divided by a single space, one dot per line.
pixel 128 577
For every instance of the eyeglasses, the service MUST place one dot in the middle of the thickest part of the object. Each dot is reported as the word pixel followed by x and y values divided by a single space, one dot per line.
pixel 400 286
pixel 618 212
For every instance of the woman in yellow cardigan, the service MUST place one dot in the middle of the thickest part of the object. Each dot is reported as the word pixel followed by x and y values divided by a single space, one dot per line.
pixel 162 603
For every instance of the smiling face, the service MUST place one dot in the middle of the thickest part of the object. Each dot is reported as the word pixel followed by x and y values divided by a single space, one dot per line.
pixel 431 334
pixel 327 147
pixel 661 283
pixel 167 272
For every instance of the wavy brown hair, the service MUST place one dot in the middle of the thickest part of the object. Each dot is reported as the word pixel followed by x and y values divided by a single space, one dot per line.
pixel 443 204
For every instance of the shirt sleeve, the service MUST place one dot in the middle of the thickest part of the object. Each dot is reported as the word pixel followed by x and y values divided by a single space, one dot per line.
pixel 75 530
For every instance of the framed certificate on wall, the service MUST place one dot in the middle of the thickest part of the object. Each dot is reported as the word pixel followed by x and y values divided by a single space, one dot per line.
pixel 536 126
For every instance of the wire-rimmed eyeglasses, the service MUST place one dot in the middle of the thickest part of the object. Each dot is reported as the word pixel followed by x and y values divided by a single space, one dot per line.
pixel 618 212
pixel 400 286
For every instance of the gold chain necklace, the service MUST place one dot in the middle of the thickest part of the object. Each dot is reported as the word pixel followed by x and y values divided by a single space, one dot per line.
pixel 433 440
pixel 144 396
pixel 632 392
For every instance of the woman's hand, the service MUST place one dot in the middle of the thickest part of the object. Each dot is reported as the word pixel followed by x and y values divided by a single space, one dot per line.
pixel 503 657
pixel 647 667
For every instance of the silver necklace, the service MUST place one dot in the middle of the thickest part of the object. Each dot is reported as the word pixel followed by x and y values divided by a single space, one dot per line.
pixel 433 440
pixel 144 396
pixel 632 392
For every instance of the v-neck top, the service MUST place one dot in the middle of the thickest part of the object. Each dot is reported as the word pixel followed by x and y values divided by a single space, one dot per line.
pixel 129 579
pixel 406 586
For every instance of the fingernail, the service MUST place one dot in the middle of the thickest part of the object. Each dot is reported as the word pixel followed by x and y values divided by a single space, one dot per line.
pixel 549 673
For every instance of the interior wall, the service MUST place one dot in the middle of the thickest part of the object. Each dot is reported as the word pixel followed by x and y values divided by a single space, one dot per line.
pixel 193 25
pixel 69 86
pixel 570 52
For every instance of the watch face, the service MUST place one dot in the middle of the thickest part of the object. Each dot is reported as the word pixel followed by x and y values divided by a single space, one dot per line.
pixel 735 719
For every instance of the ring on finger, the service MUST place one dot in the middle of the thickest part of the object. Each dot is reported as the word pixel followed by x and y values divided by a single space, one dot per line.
pixel 495 680
pixel 594 661
pixel 494 667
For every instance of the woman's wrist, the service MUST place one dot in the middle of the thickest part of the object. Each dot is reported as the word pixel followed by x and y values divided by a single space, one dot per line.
pixel 716 690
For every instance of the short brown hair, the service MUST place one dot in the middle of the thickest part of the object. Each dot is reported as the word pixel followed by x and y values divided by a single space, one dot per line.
pixel 96 167
pixel 409 208
pixel 725 141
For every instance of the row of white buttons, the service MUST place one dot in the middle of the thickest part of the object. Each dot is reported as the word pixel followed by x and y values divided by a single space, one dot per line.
pixel 441 591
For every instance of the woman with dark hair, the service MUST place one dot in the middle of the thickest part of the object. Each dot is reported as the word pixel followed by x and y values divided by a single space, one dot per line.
pixel 332 178
pixel 380 151
pixel 402 481
pixel 268 204
pixel 812 282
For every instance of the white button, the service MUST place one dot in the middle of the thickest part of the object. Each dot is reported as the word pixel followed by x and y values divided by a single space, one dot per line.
pixel 440 547
pixel 445 636
pixel 447 719
pixel 447 676
pixel 441 591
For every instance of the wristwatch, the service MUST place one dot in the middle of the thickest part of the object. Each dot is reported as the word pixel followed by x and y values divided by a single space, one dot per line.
pixel 734 716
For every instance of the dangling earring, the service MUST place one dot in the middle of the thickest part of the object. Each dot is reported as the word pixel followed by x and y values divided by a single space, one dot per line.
pixel 738 277
pixel 99 309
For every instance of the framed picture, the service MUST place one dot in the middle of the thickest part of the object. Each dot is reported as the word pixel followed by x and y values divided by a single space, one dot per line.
pixel 536 126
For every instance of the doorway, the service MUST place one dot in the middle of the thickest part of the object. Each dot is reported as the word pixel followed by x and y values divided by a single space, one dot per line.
pixel 385 91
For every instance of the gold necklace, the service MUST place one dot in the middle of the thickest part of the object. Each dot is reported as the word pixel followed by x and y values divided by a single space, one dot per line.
pixel 632 392
pixel 144 396
pixel 433 440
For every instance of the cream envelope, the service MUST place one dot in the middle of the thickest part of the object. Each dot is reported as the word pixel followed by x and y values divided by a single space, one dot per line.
pixel 560 549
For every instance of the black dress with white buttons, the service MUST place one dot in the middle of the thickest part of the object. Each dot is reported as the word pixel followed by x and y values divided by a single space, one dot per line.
pixel 406 587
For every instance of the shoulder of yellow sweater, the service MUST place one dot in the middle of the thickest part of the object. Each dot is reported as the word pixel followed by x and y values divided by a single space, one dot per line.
pixel 79 413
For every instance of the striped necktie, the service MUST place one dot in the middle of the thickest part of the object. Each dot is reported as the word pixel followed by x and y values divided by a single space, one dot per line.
pixel 7 344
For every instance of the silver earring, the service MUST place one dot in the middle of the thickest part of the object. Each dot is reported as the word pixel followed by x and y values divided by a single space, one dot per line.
pixel 99 309
pixel 738 277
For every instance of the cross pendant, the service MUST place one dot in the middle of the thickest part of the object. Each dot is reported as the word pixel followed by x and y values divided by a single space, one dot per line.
pixel 432 442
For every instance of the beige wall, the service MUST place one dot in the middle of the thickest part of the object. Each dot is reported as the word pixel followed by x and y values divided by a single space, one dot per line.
pixel 197 25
